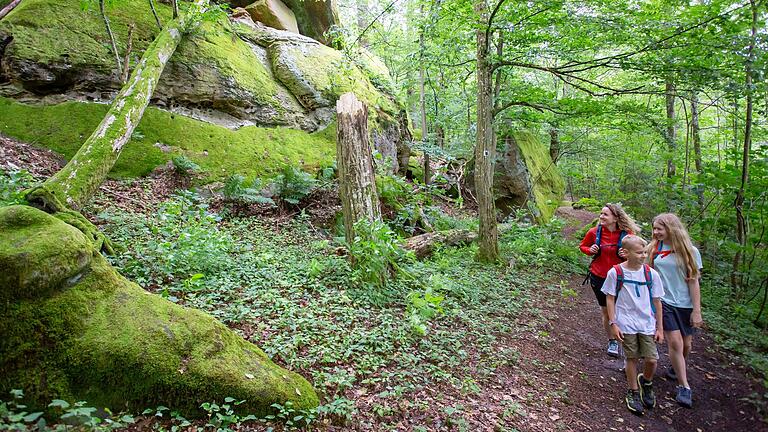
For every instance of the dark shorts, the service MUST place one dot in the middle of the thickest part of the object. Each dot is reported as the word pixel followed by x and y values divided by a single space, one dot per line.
pixel 597 284
pixel 676 318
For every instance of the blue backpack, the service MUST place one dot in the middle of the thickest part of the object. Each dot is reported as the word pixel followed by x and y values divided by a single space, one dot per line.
pixel 620 280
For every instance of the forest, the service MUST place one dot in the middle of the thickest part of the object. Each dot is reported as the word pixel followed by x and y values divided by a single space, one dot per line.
pixel 365 215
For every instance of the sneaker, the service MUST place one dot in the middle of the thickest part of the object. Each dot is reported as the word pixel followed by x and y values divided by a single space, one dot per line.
pixel 646 391
pixel 633 402
pixel 671 374
pixel 684 396
pixel 613 348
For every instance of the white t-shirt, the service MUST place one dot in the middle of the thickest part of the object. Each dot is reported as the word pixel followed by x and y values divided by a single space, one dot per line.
pixel 675 285
pixel 633 304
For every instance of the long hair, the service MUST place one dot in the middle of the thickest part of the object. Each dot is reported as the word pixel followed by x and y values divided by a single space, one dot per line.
pixel 680 242
pixel 623 220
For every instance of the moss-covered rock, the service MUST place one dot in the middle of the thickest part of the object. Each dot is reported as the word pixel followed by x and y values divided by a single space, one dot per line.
pixel 526 177
pixel 103 339
pixel 31 265
pixel 251 151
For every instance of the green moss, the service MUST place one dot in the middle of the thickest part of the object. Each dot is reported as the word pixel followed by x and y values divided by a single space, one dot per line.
pixel 547 184
pixel 107 341
pixel 330 74
pixel 38 253
pixel 43 30
pixel 214 50
pixel 251 151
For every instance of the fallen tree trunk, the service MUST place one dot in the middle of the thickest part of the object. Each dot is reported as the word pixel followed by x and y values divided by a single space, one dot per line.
pixel 8 8
pixel 423 245
pixel 74 184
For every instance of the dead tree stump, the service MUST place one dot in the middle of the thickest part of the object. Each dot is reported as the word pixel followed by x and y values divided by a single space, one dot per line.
pixel 357 184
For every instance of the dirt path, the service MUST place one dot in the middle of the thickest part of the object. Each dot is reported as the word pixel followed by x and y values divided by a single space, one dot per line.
pixel 727 397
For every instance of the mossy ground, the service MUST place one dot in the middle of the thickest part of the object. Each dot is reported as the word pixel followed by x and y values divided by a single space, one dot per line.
pixel 548 185
pixel 251 151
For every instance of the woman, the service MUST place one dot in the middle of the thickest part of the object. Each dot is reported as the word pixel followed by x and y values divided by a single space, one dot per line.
pixel 678 262
pixel 603 242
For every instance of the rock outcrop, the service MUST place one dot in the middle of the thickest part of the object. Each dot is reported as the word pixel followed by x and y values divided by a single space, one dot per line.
pixel 273 13
pixel 230 73
pixel 526 177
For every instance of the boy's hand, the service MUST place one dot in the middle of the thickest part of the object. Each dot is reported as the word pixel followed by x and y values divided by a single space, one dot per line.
pixel 616 333
pixel 659 336
pixel 594 248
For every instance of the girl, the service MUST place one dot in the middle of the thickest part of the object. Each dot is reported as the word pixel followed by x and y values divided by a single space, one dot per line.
pixel 678 262
pixel 612 226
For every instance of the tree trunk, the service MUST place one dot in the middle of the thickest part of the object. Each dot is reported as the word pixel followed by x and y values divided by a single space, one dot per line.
pixel 485 146
pixel 741 222
pixel 154 12
pixel 696 138
pixel 362 20
pixel 8 8
pixel 423 245
pixel 554 144
pixel 671 135
pixel 423 106
pixel 357 185
pixel 74 184
pixel 111 38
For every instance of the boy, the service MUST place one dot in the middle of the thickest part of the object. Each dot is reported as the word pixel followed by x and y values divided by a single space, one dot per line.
pixel 633 291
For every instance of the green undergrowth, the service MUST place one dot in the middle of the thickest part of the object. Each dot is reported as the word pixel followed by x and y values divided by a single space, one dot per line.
pixel 439 323
pixel 732 326
pixel 220 152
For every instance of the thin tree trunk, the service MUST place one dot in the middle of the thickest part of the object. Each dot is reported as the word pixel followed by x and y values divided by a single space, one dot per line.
pixel 741 222
pixel 357 185
pixel 423 105
pixel 74 184
pixel 696 138
pixel 175 5
pixel 485 146
pixel 154 12
pixel 8 8
pixel 111 36
pixel 127 58
pixel 671 135
pixel 554 144
pixel 362 20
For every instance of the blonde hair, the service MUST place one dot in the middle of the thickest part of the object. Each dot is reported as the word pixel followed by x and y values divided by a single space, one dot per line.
pixel 624 222
pixel 680 243
pixel 634 241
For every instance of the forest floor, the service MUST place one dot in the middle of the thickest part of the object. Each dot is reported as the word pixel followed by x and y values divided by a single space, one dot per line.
pixel 561 380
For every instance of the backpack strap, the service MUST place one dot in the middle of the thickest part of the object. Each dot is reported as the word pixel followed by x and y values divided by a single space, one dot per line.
pixel 649 282
pixel 622 234
pixel 598 239
pixel 619 278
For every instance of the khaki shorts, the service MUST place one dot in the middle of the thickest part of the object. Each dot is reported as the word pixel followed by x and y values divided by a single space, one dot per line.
pixel 640 346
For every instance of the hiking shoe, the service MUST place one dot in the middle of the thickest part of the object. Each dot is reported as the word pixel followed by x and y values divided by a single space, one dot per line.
pixel 646 391
pixel 633 402
pixel 671 374
pixel 613 348
pixel 684 396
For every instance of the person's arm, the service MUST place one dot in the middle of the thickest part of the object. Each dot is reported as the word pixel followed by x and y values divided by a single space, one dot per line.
pixel 588 245
pixel 695 291
pixel 610 303
pixel 659 336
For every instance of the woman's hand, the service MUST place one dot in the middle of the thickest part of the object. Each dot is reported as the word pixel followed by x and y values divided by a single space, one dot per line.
pixel 623 253
pixel 594 248
pixel 696 320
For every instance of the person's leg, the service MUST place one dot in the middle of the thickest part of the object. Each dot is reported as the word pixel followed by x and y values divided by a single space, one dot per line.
pixel 606 326
pixel 631 365
pixel 649 368
pixel 687 341
pixel 677 355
